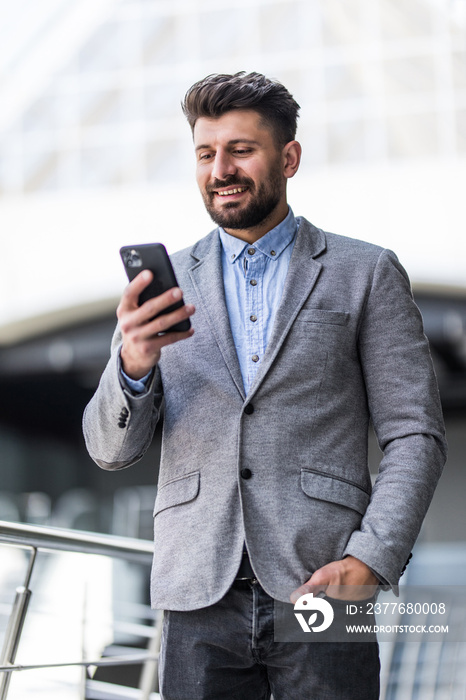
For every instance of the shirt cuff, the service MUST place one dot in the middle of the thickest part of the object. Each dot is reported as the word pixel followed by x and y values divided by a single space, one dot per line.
pixel 137 386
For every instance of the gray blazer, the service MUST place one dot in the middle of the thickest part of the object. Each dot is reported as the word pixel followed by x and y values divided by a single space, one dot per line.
pixel 347 346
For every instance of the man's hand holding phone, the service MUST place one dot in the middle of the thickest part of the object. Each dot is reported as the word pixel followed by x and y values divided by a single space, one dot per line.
pixel 142 343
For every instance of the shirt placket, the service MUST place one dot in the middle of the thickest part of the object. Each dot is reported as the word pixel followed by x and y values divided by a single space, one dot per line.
pixel 254 263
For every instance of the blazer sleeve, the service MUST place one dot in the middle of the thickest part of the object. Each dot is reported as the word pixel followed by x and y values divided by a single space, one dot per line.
pixel 406 413
pixel 119 425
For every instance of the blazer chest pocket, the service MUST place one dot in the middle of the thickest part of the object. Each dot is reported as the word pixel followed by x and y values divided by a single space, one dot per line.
pixel 177 491
pixel 324 316
pixel 334 490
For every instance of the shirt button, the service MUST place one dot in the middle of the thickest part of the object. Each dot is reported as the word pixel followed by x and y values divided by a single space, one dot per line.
pixel 253 318
pixel 233 256
pixel 246 473
pixel 272 252
pixel 255 358
pixel 253 283
pixel 251 251
pixel 249 409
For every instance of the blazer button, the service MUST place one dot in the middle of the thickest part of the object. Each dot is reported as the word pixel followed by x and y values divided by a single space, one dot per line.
pixel 249 409
pixel 121 424
pixel 246 473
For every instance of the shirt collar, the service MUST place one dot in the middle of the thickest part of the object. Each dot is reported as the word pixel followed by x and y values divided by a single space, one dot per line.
pixel 272 244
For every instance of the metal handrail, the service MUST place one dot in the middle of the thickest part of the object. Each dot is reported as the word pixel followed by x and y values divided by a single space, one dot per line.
pixel 126 659
pixel 43 537
pixel 34 537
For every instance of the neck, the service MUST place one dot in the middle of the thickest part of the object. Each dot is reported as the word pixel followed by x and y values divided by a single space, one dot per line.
pixel 251 235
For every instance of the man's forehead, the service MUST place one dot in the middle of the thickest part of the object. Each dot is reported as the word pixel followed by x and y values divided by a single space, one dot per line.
pixel 233 127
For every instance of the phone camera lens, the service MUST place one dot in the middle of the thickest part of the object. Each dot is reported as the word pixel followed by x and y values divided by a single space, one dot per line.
pixel 133 259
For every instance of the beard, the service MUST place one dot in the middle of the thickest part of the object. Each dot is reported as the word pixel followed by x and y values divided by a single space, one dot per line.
pixel 233 215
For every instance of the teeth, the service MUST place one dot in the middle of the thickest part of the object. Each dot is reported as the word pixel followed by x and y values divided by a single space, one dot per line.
pixel 224 193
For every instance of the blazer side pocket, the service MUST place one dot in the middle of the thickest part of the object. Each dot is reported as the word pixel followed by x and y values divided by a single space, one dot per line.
pixel 177 491
pixel 334 490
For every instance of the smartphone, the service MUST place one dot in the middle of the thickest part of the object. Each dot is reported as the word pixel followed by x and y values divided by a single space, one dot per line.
pixel 153 257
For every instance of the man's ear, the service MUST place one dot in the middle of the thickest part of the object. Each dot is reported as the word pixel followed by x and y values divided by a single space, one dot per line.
pixel 291 158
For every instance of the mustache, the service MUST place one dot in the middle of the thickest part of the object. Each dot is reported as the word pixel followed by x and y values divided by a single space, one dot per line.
pixel 230 182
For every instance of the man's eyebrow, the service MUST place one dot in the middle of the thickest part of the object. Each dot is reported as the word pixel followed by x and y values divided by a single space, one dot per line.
pixel 232 142
pixel 235 141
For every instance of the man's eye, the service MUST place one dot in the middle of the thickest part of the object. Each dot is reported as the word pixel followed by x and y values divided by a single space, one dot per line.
pixel 242 151
pixel 205 156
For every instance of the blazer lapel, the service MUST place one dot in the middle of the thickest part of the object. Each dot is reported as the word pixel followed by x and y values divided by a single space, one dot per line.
pixel 301 278
pixel 207 278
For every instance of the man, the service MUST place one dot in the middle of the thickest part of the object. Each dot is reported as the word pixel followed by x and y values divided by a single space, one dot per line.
pixel 301 337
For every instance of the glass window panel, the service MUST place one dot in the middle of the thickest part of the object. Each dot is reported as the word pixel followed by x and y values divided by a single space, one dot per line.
pixel 67 105
pixel 186 163
pixel 457 26
pixel 101 166
pixel 344 81
pixel 345 141
pixel 102 107
pixel 461 130
pixel 102 51
pixel 276 21
pixel 158 40
pixel 162 100
pixel 412 135
pixel 130 104
pixel 341 22
pixel 131 42
pixel 312 90
pixel 41 114
pixel 71 66
pixel 409 75
pixel 401 20
pixel 6 167
pixel 41 171
pixel 220 32
pixel 313 138
pixel 11 166
pixel 68 169
pixel 458 62
pixel 162 160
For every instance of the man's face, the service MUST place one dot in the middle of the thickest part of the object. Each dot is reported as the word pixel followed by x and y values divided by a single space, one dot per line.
pixel 240 170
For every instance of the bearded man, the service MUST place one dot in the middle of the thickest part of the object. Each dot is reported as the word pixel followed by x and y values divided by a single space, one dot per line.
pixel 300 338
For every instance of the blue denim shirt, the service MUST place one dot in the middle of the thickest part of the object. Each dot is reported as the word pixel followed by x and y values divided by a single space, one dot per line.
pixel 254 277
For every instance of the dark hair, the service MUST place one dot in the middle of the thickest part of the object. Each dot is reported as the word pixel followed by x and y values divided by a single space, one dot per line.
pixel 220 93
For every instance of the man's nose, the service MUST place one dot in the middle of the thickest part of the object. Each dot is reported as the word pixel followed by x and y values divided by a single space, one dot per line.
pixel 224 165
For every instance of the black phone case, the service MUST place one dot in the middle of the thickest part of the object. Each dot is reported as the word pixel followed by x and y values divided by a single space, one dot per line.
pixel 153 257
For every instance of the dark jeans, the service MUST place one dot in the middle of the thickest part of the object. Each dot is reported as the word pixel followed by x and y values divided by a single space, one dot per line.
pixel 227 652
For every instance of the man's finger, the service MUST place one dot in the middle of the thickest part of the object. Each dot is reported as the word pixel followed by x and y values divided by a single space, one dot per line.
pixel 130 297
pixel 174 337
pixel 150 308
pixel 159 304
pixel 307 588
pixel 164 322
pixel 302 590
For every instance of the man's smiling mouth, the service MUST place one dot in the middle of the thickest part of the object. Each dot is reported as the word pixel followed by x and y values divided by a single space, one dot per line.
pixel 233 190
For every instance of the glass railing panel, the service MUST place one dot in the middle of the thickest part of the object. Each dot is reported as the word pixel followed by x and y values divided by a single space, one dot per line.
pixel 84 608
